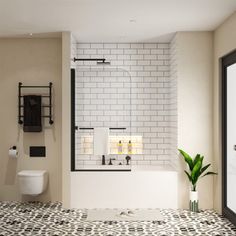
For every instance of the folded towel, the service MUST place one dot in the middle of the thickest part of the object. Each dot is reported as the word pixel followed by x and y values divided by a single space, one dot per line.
pixel 101 141
pixel 32 113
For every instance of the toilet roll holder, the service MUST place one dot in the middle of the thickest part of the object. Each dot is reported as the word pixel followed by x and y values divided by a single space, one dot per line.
pixel 14 153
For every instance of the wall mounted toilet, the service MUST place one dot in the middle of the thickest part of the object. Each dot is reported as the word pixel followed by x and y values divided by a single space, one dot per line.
pixel 33 182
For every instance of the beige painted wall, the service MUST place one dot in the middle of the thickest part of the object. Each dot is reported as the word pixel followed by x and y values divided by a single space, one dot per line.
pixel 66 119
pixel 194 72
pixel 33 62
pixel 224 43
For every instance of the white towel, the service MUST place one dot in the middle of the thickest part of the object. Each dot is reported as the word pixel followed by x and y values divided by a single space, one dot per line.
pixel 101 141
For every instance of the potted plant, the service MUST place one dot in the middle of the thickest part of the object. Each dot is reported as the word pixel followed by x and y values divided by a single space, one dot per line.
pixel 196 171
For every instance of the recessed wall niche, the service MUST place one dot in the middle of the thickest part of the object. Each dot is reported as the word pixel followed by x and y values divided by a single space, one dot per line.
pixel 135 143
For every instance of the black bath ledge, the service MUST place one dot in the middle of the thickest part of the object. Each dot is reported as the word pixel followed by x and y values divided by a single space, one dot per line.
pixel 101 170
pixel 84 128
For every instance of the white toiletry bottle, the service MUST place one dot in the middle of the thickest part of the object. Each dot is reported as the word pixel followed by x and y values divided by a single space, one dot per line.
pixel 130 147
pixel 120 147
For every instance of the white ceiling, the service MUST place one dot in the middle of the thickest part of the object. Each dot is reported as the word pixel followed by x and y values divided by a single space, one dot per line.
pixel 112 20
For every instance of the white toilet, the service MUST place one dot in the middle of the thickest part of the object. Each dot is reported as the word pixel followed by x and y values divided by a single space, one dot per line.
pixel 33 182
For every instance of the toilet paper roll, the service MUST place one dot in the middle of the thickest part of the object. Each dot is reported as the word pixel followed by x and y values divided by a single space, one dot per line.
pixel 13 153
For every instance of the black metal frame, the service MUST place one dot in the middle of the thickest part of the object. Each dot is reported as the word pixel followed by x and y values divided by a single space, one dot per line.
pixel 104 170
pixel 74 127
pixel 82 128
pixel 20 86
pixel 90 59
pixel 225 62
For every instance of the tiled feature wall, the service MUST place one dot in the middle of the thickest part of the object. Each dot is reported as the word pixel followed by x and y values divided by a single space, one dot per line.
pixel 73 51
pixel 173 103
pixel 145 69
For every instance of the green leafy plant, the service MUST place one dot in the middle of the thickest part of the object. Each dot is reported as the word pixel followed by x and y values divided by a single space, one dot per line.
pixel 196 168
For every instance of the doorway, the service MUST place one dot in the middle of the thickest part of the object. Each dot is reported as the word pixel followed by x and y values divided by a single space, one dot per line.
pixel 229 136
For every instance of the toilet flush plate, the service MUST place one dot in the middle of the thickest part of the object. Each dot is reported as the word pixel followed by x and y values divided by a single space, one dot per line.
pixel 37 151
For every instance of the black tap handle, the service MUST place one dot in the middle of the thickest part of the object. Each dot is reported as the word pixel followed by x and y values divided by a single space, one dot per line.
pixel 103 160
pixel 128 158
pixel 110 162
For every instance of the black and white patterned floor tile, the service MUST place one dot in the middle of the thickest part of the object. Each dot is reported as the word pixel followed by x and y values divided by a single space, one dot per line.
pixel 35 218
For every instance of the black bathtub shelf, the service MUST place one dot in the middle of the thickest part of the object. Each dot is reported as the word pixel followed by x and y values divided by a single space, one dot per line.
pixel 83 128
pixel 48 105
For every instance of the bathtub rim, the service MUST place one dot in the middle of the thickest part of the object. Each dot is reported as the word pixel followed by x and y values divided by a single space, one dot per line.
pixel 131 168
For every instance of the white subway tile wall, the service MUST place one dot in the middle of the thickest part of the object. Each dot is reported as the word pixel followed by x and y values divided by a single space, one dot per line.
pixel 133 92
pixel 173 104
pixel 73 51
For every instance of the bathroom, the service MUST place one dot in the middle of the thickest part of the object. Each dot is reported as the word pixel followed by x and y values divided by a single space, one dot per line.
pixel 147 94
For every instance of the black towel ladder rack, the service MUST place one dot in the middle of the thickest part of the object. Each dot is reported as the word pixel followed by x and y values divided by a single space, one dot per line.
pixel 49 96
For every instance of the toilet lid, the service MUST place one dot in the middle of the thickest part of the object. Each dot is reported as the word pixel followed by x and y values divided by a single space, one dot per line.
pixel 32 172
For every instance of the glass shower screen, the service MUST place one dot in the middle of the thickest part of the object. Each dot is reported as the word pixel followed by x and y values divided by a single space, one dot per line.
pixel 102 99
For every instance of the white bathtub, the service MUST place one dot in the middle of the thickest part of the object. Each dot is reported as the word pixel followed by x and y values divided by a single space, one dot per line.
pixel 142 187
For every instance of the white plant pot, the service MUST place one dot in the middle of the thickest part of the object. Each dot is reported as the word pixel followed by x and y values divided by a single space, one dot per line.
pixel 193 201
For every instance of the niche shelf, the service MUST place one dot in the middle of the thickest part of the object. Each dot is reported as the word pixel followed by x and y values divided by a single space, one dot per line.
pixel 137 144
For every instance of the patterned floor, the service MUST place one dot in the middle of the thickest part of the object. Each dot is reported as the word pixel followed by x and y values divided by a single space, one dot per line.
pixel 36 218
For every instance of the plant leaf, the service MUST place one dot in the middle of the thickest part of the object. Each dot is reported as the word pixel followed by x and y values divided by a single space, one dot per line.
pixel 189 176
pixel 198 156
pixel 196 171
pixel 187 158
pixel 210 173
pixel 204 168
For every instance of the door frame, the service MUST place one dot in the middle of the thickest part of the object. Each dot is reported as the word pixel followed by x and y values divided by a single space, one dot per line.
pixel 226 61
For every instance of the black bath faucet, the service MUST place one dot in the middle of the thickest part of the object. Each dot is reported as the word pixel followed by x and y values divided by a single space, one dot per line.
pixel 128 158
pixel 110 162
pixel 103 160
